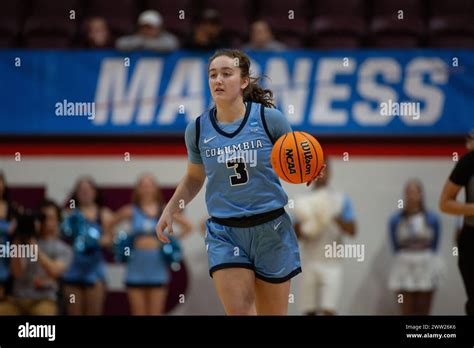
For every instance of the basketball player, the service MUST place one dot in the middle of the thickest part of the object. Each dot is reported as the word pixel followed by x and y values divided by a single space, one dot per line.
pixel 251 245
pixel 147 274
pixel 463 176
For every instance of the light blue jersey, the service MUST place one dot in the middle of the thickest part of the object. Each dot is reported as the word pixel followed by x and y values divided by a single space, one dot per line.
pixel 145 267
pixel 248 227
pixel 236 158
pixel 142 224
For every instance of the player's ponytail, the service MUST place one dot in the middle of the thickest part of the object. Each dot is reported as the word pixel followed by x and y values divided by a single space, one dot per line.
pixel 258 94
pixel 253 92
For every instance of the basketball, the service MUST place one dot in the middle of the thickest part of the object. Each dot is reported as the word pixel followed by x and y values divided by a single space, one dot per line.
pixel 297 157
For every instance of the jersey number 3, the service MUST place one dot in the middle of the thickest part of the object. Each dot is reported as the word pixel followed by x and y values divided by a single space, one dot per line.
pixel 241 176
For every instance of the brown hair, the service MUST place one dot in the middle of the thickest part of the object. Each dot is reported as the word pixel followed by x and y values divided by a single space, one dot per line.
pixel 419 185
pixel 91 182
pixel 253 92
pixel 136 196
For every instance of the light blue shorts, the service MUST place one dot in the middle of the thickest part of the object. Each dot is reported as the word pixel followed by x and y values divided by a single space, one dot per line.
pixel 269 249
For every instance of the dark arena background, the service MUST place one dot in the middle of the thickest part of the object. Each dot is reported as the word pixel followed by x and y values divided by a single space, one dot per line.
pixel 104 89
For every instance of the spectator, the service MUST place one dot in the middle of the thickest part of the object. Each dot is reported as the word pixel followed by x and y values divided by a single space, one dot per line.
pixel 322 219
pixel 208 34
pixel 35 285
pixel 147 274
pixel 150 36
pixel 261 38
pixel 97 33
pixel 7 225
pixel 85 278
pixel 416 271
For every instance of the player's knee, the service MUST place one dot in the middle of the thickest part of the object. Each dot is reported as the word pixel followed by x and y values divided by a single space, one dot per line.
pixel 245 306
pixel 243 309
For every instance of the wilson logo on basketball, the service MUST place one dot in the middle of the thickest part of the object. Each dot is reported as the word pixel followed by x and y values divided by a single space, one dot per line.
pixel 307 157
pixel 290 161
pixel 297 157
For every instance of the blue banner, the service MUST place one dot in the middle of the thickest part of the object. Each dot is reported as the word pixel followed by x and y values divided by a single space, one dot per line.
pixel 364 92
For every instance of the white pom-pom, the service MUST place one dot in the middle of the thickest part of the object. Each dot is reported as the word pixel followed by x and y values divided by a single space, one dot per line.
pixel 315 211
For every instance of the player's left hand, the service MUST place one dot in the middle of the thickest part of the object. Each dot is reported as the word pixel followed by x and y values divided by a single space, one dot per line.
pixel 320 175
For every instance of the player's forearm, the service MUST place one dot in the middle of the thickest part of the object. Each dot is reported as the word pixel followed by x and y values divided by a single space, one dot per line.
pixel 451 206
pixel 187 189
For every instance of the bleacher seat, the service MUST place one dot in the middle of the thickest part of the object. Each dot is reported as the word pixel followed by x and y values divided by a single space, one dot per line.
pixel 49 32
pixel 337 24
pixel 236 16
pixel 11 19
pixel 451 23
pixel 289 27
pixel 388 30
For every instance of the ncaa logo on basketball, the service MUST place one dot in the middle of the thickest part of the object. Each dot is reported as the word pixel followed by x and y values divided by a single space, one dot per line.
pixel 290 161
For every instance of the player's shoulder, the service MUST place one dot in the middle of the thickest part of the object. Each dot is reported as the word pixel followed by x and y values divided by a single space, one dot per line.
pixel 271 114
pixel 195 123
pixel 191 126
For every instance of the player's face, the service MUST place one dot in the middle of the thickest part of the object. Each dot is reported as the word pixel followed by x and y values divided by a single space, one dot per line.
pixel 85 193
pixel 225 82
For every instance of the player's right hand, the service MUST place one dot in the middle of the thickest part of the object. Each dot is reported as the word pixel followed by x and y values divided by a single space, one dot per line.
pixel 320 175
pixel 165 223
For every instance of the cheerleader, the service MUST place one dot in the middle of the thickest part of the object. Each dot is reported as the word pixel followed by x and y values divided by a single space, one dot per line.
pixel 84 281
pixel 414 234
pixel 147 272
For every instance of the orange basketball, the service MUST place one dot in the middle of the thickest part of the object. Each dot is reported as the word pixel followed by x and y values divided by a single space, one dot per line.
pixel 297 157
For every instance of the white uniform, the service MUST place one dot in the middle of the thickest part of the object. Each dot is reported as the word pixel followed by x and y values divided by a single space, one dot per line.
pixel 415 269
pixel 321 282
